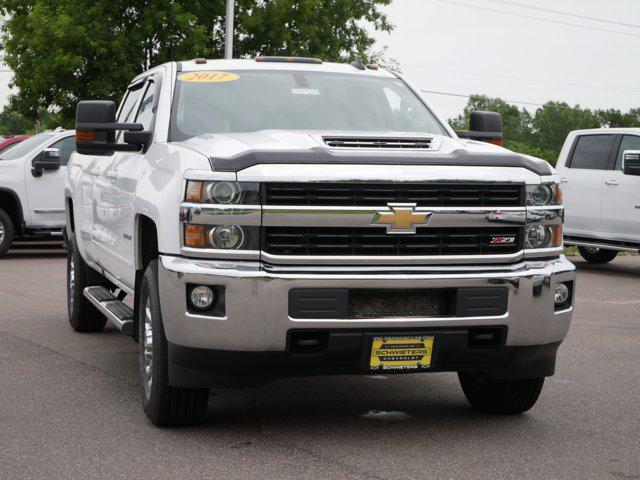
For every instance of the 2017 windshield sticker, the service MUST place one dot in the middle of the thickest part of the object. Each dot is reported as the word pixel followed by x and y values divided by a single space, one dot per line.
pixel 305 91
pixel 208 77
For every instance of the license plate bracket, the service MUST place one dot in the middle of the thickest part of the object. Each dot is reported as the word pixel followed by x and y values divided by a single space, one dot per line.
pixel 401 353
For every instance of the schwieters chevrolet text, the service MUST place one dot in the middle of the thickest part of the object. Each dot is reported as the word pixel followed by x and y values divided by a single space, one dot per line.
pixel 284 217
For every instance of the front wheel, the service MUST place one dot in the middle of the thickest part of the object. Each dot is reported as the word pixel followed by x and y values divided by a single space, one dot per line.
pixel 500 396
pixel 164 405
pixel 6 232
pixel 597 255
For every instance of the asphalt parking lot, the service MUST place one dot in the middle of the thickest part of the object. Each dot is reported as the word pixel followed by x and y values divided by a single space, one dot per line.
pixel 70 404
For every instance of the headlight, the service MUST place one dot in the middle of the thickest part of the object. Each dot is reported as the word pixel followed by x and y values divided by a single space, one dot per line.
pixel 544 194
pixel 543 236
pixel 223 193
pixel 222 237
pixel 226 236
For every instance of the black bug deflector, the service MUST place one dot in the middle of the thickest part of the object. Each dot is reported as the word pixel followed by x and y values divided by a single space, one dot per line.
pixel 319 155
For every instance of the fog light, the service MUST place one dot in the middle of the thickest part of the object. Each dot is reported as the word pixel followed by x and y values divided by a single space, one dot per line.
pixel 202 297
pixel 226 236
pixel 561 294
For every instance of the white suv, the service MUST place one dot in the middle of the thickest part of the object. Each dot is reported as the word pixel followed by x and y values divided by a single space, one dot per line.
pixel 32 176
pixel 601 196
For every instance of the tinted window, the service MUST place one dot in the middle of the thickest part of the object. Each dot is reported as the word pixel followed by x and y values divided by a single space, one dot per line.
pixel 629 142
pixel 127 112
pixel 66 146
pixel 250 101
pixel 24 147
pixel 145 112
pixel 592 152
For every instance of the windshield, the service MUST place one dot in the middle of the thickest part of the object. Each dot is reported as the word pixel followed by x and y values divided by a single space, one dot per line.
pixel 248 101
pixel 24 147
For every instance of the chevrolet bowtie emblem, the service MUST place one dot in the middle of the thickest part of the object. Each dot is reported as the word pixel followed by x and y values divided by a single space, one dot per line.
pixel 401 218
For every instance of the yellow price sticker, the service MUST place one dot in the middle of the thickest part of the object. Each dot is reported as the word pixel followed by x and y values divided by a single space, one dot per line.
pixel 208 77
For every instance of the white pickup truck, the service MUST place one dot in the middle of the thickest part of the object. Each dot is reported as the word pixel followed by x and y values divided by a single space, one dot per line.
pixel 283 217
pixel 601 191
pixel 32 178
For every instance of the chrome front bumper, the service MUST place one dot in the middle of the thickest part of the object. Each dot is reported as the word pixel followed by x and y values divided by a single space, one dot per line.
pixel 257 301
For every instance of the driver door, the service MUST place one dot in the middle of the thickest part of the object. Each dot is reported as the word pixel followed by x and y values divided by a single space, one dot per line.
pixel 45 191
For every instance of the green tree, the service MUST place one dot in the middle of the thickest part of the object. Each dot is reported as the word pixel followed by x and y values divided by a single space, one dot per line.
pixel 553 122
pixel 516 123
pixel 65 51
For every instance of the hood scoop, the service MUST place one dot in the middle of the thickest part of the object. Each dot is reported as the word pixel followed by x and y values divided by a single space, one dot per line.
pixel 386 143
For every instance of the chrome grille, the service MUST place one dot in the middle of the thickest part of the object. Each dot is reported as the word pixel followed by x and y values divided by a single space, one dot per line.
pixel 379 194
pixel 347 241
pixel 385 143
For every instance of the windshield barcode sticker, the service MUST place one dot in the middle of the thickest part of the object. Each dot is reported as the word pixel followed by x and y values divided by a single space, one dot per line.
pixel 305 91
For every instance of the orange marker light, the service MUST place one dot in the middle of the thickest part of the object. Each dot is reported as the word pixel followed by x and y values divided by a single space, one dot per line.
pixel 195 236
pixel 557 236
pixel 558 195
pixel 195 191
pixel 87 136
pixel 497 141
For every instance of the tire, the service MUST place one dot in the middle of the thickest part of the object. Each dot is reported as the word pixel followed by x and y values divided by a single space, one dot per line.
pixel 500 396
pixel 166 406
pixel 6 232
pixel 597 255
pixel 83 316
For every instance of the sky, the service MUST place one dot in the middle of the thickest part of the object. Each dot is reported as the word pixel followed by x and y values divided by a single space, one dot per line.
pixel 445 46
pixel 488 47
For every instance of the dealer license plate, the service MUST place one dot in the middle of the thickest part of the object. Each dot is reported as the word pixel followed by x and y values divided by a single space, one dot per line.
pixel 401 353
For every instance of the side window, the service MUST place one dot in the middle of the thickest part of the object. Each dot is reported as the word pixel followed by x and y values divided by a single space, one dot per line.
pixel 145 112
pixel 127 111
pixel 629 142
pixel 592 152
pixel 66 146
pixel 128 104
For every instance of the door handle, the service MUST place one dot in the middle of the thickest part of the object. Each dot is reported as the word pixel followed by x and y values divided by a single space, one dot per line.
pixel 564 180
pixel 612 182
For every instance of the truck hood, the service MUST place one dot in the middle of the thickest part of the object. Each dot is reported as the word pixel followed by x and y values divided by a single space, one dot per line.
pixel 233 152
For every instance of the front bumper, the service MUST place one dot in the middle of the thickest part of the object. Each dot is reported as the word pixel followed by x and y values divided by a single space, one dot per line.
pixel 257 320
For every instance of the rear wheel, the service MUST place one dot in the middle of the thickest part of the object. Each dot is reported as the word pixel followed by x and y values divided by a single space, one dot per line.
pixel 6 232
pixel 597 255
pixel 164 405
pixel 500 396
pixel 83 316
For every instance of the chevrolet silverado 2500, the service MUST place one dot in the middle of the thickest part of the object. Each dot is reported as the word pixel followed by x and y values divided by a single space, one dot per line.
pixel 32 179
pixel 285 217
pixel 600 172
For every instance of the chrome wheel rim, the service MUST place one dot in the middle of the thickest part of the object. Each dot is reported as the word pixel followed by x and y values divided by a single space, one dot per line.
pixel 72 280
pixel 1 233
pixel 147 352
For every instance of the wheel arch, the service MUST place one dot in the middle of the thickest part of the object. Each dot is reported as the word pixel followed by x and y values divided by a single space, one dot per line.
pixel 146 250
pixel 10 203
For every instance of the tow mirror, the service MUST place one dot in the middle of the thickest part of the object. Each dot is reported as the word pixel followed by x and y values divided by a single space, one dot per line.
pixel 49 159
pixel 631 162
pixel 484 126
pixel 96 129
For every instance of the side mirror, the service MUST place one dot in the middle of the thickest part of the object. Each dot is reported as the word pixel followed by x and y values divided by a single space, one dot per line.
pixel 96 129
pixel 49 159
pixel 631 162
pixel 484 126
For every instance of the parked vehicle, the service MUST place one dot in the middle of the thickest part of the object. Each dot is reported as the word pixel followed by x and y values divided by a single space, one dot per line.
pixel 602 198
pixel 32 176
pixel 8 142
pixel 283 217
